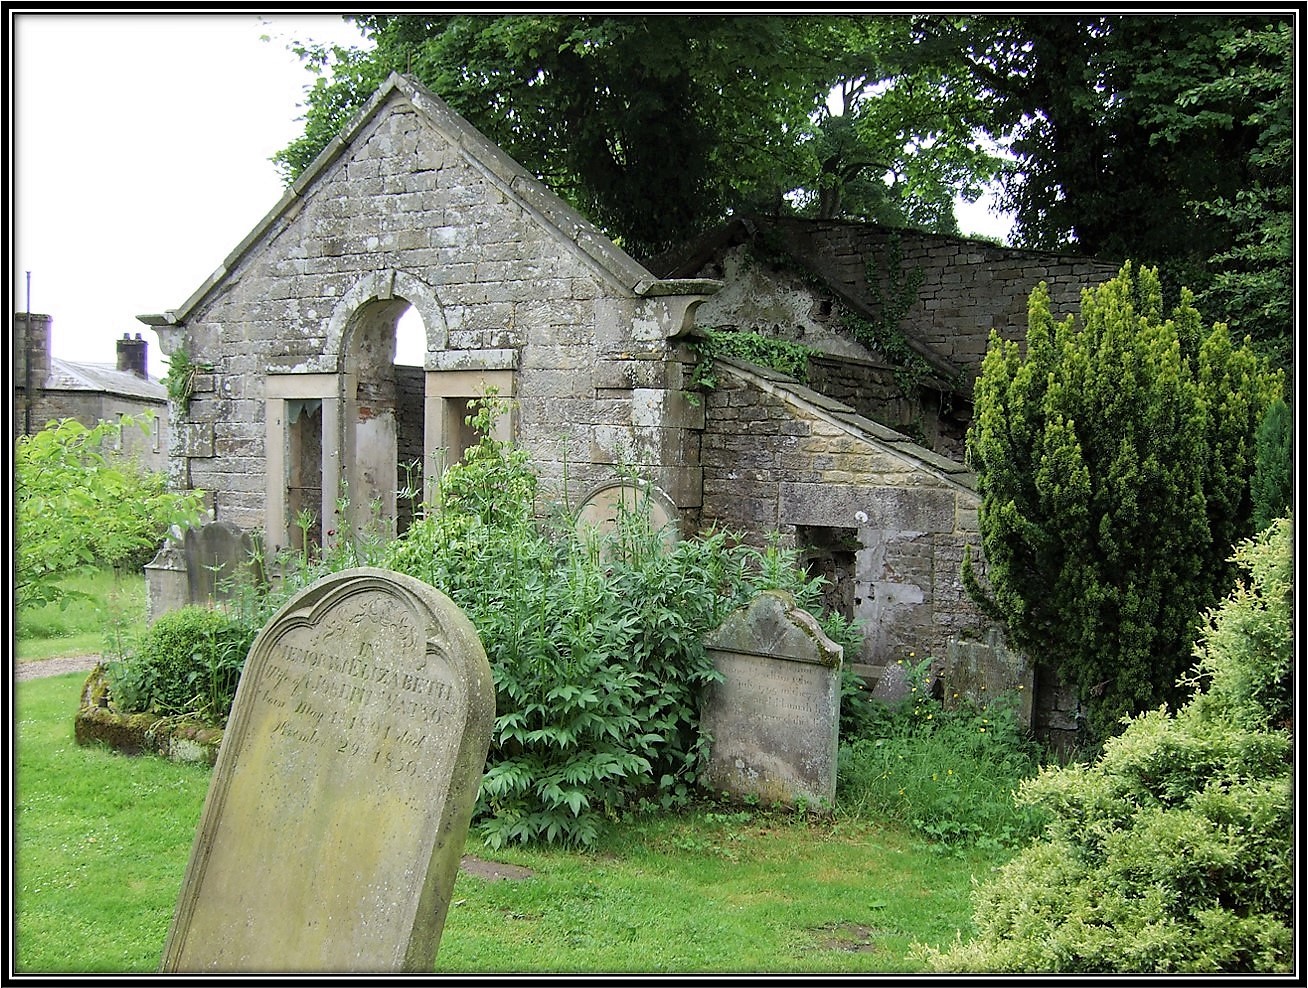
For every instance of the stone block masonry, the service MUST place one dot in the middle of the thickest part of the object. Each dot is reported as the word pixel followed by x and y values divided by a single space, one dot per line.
pixel 411 206
pixel 778 457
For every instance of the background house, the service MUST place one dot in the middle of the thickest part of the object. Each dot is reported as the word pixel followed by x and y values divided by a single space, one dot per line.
pixel 47 388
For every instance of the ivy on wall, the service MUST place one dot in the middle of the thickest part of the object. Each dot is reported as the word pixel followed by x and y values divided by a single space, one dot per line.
pixel 784 356
pixel 892 291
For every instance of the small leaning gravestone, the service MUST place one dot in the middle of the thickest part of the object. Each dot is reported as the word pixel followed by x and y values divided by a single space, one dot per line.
pixel 334 823
pixel 774 718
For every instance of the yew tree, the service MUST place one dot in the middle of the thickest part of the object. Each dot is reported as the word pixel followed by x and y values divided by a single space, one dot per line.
pixel 1113 460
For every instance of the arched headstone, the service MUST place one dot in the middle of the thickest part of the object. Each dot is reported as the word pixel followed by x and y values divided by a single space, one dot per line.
pixel 601 508
pixel 339 805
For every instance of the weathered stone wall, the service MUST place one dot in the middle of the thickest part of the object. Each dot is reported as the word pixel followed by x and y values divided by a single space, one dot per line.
pixel 780 456
pixel 967 288
pixel 406 212
pixel 872 388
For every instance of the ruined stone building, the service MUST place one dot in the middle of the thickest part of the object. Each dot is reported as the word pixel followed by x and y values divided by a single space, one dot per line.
pixel 47 388
pixel 297 397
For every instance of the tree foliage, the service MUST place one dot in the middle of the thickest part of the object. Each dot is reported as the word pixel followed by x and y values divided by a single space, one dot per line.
pixel 1273 482
pixel 1174 851
pixel 657 127
pixel 1164 139
pixel 1113 462
pixel 78 506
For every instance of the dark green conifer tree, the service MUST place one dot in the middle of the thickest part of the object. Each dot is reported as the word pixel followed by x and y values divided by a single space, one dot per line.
pixel 1113 460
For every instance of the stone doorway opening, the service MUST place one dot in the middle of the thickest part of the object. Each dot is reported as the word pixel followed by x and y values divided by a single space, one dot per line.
pixel 380 406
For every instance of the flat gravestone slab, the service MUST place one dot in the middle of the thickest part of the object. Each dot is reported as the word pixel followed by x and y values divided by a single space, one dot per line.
pixel 774 718
pixel 340 802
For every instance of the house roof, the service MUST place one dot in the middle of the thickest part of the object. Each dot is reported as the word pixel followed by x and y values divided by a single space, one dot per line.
pixel 514 181
pixel 67 375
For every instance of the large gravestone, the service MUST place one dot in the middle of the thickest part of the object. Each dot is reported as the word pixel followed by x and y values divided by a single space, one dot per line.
pixel 340 802
pixel 774 718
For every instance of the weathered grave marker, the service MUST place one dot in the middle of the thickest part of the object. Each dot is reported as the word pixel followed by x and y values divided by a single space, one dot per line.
pixel 602 507
pixel 215 554
pixel 774 718
pixel 340 802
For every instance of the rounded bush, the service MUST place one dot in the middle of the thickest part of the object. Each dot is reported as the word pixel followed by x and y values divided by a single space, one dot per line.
pixel 188 662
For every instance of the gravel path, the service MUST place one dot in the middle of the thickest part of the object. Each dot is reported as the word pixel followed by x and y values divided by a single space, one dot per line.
pixel 55 667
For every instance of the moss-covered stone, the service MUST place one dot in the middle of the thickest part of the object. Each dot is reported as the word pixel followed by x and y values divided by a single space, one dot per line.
pixel 178 739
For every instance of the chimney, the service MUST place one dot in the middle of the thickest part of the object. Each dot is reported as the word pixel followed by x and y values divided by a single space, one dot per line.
pixel 31 349
pixel 132 355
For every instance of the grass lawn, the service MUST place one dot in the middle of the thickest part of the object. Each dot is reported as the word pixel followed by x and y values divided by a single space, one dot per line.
pixel 101 842
pixel 114 604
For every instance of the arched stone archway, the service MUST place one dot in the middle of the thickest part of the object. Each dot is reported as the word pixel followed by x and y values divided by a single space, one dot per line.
pixel 352 426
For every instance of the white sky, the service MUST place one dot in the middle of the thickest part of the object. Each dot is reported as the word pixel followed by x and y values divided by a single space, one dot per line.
pixel 140 147
pixel 140 158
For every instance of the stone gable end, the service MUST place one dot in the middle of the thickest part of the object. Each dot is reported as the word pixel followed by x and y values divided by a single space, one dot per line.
pixel 298 398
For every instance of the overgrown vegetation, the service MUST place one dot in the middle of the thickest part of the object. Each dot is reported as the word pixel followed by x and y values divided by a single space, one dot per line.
pixel 946 774
pixel 1175 850
pixel 79 507
pixel 180 380
pixel 784 356
pixel 188 662
pixel 1113 461
pixel 596 645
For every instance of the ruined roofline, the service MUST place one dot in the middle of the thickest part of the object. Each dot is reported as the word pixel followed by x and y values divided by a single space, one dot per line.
pixel 514 180
pixel 845 418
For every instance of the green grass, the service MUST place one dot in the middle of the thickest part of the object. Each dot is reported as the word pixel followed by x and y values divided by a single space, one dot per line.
pixel 114 604
pixel 101 842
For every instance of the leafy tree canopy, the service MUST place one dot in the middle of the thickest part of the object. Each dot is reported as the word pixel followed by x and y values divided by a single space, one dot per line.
pixel 656 127
pixel 1165 140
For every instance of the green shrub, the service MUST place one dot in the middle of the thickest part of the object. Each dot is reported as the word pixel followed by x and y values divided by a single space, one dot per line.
pixel 946 774
pixel 1174 851
pixel 1113 456
pixel 79 506
pixel 596 644
pixel 188 662
pixel 1271 485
